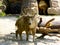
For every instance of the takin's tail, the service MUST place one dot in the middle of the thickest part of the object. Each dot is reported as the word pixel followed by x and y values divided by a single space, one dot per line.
pixel 48 23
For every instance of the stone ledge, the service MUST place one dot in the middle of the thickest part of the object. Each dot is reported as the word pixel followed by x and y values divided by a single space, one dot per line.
pixel 54 10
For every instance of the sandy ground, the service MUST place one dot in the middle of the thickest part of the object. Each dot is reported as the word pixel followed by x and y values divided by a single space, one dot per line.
pixel 7 26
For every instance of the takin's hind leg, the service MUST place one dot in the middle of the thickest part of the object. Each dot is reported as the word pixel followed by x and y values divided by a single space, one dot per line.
pixel 20 35
pixel 16 34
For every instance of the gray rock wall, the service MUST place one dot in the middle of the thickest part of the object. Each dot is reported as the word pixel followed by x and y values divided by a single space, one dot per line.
pixel 54 7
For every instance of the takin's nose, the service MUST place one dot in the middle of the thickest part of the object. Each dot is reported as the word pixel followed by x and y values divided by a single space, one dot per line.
pixel 29 23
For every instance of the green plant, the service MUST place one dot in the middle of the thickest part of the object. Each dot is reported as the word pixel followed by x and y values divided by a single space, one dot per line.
pixel 2 14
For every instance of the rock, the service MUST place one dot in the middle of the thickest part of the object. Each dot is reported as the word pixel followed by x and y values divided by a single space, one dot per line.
pixel 54 10
pixel 54 7
pixel 54 3
pixel 30 7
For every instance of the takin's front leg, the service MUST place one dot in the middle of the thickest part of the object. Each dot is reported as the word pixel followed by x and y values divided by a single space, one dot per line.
pixel 20 33
pixel 33 33
pixel 27 35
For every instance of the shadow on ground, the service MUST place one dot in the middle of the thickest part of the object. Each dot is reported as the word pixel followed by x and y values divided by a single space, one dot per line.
pixel 11 39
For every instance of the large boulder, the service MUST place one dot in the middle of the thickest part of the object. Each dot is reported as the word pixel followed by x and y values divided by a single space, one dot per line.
pixel 30 7
pixel 54 7
pixel 55 11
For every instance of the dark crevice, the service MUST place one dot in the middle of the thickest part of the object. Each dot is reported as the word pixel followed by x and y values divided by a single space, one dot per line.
pixel 15 8
pixel 48 5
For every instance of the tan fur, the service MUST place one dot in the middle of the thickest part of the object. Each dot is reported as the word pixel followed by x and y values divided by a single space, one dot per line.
pixel 42 6
pixel 23 25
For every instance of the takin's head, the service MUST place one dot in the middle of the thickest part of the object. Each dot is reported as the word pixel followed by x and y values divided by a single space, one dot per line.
pixel 32 21
pixel 28 19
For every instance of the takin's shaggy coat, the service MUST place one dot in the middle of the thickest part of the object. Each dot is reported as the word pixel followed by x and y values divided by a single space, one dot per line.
pixel 27 24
